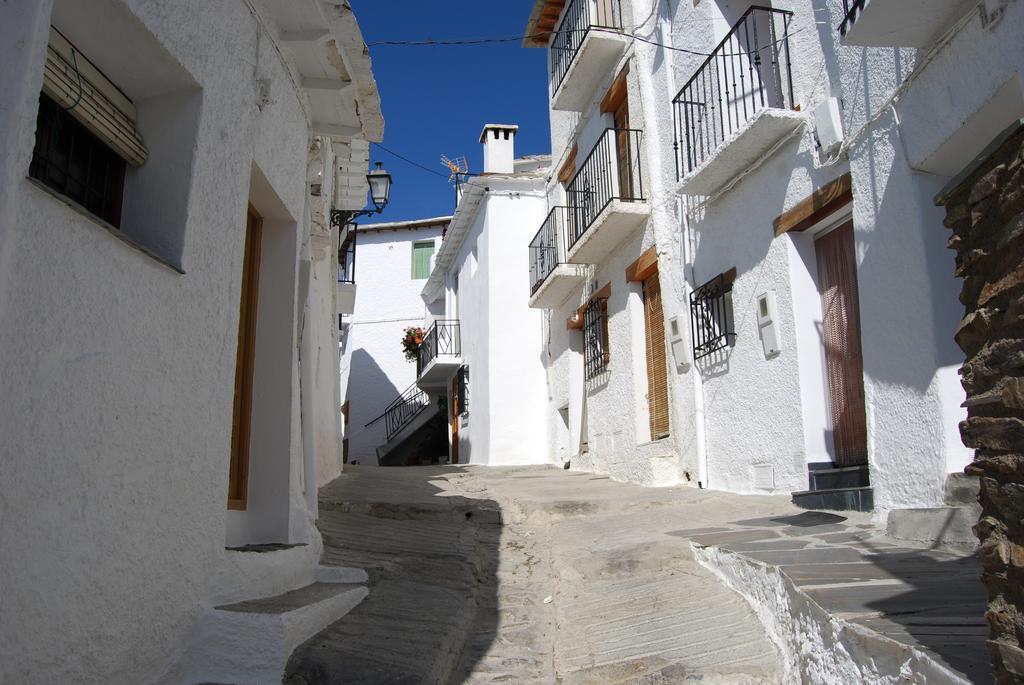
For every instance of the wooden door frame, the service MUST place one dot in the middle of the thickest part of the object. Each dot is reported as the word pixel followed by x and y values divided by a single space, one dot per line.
pixel 455 409
pixel 245 358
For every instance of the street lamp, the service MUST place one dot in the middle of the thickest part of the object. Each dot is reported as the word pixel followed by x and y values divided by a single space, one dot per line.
pixel 380 190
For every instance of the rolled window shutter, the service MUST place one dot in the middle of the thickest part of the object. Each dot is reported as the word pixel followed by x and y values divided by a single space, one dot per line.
pixel 80 88
pixel 657 366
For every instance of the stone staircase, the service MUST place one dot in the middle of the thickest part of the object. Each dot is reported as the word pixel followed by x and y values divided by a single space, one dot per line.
pixel 836 488
pixel 250 641
pixel 947 526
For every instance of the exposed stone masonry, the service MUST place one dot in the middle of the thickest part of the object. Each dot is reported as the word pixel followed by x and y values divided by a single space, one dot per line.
pixel 986 213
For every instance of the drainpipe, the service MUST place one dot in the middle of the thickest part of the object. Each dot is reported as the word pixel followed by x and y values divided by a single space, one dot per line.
pixel 688 243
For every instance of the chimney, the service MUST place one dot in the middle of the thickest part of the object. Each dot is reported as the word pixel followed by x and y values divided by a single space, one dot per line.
pixel 499 148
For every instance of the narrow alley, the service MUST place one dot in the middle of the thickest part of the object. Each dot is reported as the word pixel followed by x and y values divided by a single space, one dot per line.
pixel 539 575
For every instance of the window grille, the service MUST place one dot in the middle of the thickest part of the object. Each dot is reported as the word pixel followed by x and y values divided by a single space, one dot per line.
pixel 595 337
pixel 710 320
pixel 72 161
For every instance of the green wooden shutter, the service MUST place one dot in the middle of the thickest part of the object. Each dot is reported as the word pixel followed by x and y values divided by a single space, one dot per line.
pixel 421 254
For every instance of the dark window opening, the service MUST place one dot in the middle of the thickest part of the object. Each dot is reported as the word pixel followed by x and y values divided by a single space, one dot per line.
pixel 595 338
pixel 464 391
pixel 71 160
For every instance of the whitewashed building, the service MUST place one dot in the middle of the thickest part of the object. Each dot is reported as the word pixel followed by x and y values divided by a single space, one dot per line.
pixel 478 365
pixel 168 323
pixel 393 260
pixel 784 198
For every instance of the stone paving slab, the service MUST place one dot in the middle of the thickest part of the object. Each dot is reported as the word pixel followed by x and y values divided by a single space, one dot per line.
pixel 588 580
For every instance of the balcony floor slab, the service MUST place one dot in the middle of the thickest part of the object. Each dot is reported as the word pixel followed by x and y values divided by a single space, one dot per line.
pixel 903 23
pixel 560 283
pixel 613 225
pixel 439 371
pixel 741 151
pixel 597 56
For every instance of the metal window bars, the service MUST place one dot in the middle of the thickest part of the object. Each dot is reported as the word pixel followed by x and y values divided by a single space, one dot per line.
pixel 610 172
pixel 577 21
pixel 347 254
pixel 595 338
pixel 402 410
pixel 548 248
pixel 710 319
pixel 441 338
pixel 749 71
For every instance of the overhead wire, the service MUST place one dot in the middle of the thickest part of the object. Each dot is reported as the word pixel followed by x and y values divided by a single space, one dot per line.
pixel 409 161
pixel 430 42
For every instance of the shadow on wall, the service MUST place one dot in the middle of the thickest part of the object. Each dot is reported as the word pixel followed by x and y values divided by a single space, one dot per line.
pixel 369 392
pixel 431 614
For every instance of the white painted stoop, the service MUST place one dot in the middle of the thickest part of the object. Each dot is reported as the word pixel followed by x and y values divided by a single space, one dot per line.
pixel 249 642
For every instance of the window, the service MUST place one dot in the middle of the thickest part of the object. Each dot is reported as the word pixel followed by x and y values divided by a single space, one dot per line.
pixel 595 337
pixel 710 318
pixel 71 160
pixel 463 404
pixel 421 255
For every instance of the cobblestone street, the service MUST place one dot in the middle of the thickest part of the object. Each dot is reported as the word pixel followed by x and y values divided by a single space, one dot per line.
pixel 538 575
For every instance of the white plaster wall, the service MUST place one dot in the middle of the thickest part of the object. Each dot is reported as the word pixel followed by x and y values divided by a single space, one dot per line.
pixel 118 372
pixel 374 370
pixel 517 411
pixel 908 298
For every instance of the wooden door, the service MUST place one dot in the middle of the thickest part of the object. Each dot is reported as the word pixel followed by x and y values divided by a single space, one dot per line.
pixel 657 366
pixel 840 307
pixel 623 150
pixel 241 425
pixel 455 411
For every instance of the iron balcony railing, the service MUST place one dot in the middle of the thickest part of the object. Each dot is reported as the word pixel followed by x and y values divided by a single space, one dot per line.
pixel 441 338
pixel 402 411
pixel 610 172
pixel 749 71
pixel 851 12
pixel 347 255
pixel 548 248
pixel 580 17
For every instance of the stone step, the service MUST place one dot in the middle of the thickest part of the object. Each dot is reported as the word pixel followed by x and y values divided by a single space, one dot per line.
pixel 836 499
pixel 947 526
pixel 962 490
pixel 250 641
pixel 839 477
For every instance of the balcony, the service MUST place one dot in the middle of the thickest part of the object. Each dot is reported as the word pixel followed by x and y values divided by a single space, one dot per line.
pixel 738 105
pixel 606 198
pixel 586 47
pixel 440 354
pixel 898 23
pixel 552 278
pixel 345 290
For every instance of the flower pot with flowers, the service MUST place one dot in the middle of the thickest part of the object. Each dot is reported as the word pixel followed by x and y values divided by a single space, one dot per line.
pixel 411 342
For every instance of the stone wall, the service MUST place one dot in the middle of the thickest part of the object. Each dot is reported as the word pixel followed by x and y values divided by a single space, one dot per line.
pixel 985 210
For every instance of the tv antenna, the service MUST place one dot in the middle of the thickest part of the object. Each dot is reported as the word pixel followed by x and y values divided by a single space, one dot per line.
pixel 458 167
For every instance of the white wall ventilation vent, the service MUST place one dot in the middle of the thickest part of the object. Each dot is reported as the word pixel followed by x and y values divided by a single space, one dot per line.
pixel 764 477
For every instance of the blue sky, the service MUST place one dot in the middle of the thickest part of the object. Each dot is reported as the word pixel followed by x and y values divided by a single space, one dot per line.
pixel 436 100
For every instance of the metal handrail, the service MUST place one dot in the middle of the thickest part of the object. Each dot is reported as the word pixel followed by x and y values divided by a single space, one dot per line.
pixel 402 410
pixel 579 17
pixel 548 247
pixel 733 84
pixel 441 338
pixel 851 11
pixel 610 172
